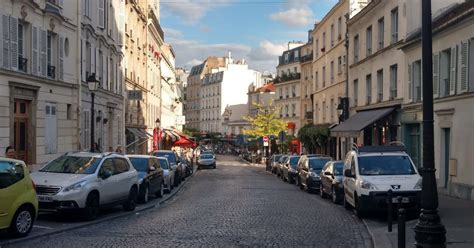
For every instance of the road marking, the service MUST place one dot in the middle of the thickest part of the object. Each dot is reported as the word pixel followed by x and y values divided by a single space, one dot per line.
pixel 43 227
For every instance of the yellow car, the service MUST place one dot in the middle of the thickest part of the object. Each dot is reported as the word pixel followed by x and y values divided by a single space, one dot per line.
pixel 18 201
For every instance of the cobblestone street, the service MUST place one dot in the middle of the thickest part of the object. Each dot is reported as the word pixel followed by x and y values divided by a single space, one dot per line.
pixel 233 205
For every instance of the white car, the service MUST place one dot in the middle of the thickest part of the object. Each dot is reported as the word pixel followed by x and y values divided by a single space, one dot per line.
pixel 168 174
pixel 85 181
pixel 372 171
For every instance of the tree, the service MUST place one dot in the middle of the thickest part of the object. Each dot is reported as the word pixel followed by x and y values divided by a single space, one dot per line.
pixel 265 122
pixel 313 136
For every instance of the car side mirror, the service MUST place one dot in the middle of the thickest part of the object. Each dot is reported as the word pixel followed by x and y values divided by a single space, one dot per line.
pixel 348 173
pixel 105 174
pixel 327 173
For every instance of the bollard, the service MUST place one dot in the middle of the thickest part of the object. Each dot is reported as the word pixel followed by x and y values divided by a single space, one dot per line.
pixel 401 228
pixel 389 210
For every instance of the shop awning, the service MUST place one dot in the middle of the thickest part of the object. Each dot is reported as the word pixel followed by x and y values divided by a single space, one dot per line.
pixel 173 135
pixel 139 133
pixel 184 141
pixel 356 123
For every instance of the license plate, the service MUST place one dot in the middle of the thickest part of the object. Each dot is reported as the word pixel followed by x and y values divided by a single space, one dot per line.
pixel 404 200
pixel 44 198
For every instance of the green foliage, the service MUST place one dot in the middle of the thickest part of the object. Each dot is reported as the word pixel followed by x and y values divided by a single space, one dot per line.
pixel 265 122
pixel 313 136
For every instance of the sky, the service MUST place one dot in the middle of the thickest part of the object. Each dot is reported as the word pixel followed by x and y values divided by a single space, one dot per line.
pixel 255 30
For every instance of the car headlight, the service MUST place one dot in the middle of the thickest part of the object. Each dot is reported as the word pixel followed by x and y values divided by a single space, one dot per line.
pixel 76 186
pixel 419 184
pixel 367 185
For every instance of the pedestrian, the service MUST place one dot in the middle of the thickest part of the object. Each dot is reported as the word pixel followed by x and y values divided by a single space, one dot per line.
pixel 95 147
pixel 10 153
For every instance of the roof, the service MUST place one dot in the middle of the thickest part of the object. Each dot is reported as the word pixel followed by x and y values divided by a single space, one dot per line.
pixel 237 111
pixel 270 87
pixel 356 123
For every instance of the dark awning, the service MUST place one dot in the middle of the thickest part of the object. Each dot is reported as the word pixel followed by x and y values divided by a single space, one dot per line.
pixel 356 123
pixel 139 133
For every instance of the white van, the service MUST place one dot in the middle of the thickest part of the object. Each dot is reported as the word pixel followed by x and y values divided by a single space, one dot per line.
pixel 371 172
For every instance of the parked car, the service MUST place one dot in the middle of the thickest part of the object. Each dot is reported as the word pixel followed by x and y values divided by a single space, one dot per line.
pixel 151 176
pixel 308 172
pixel 274 162
pixel 206 160
pixel 168 174
pixel 18 201
pixel 371 171
pixel 289 169
pixel 282 161
pixel 331 181
pixel 187 166
pixel 174 164
pixel 86 181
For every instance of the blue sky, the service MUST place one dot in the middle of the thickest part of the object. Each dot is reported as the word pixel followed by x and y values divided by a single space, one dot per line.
pixel 256 30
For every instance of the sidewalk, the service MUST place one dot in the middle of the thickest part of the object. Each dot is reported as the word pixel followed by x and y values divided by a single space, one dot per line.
pixel 457 216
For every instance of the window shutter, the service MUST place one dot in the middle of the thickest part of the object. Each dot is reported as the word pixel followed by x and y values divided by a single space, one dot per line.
pixel 61 58
pixel 101 13
pixel 104 71
pixel 43 58
pixel 83 60
pixel 6 41
pixel 14 43
pixel 410 82
pixel 435 75
pixel 35 52
pixel 97 67
pixel 452 71
pixel 1 42
pixel 92 54
pixel 463 65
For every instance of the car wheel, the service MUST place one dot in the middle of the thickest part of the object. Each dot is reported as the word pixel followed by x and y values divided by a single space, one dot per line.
pixel 214 166
pixel 91 211
pixel 359 211
pixel 161 191
pixel 144 194
pixel 321 191
pixel 334 197
pixel 22 222
pixel 131 202
pixel 299 183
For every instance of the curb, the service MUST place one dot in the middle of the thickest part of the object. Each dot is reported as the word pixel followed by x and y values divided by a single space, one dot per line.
pixel 372 238
pixel 124 214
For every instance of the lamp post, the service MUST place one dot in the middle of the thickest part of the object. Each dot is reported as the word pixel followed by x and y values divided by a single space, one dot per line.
pixel 93 85
pixel 429 231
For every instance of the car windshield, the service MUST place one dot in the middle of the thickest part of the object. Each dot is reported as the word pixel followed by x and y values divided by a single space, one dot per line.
pixel 277 158
pixel 164 165
pixel 10 173
pixel 294 161
pixel 338 168
pixel 168 155
pixel 385 165
pixel 140 164
pixel 317 164
pixel 72 165
pixel 206 156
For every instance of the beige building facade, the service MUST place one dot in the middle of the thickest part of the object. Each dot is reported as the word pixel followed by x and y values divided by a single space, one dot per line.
pixel 307 77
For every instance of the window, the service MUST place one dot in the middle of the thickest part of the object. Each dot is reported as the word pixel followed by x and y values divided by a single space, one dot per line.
pixel 368 88
pixel 332 71
pixel 51 132
pixel 379 85
pixel 332 35
pixel 394 19
pixel 280 92
pixel 287 92
pixel 417 81
pixel 393 81
pixel 22 61
pixel 356 92
pixel 317 80
pixel 339 65
pixel 68 111
pixel 324 76
pixel 323 48
pixel 293 90
pixel 332 110
pixel 381 33
pixel 101 13
pixel 295 69
pixel 286 111
pixel 317 48
pixel 324 112
pixel 293 109
pixel 316 109
pixel 339 28
pixel 356 48
pixel 369 40
pixel 49 55
pixel 11 173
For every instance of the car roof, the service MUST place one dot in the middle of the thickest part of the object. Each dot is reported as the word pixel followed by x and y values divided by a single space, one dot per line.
pixel 325 157
pixel 163 151
pixel 139 156
pixel 12 160
pixel 373 154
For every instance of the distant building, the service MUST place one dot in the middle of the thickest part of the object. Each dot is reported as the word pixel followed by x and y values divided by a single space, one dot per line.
pixel 233 123
pixel 264 95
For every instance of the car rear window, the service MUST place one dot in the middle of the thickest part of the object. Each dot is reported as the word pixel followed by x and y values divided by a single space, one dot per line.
pixel 168 155
pixel 10 173
pixel 206 156
pixel 140 164
pixel 164 165
pixel 317 164
pixel 294 161
pixel 385 165
pixel 338 168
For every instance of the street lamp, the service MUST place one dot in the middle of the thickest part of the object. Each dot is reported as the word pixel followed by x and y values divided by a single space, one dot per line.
pixel 93 85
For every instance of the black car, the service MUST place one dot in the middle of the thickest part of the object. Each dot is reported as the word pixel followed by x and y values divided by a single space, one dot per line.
pixel 308 172
pixel 331 181
pixel 150 174
pixel 174 164
pixel 289 169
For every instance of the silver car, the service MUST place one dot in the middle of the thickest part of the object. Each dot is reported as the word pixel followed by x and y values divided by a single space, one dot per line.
pixel 206 160
pixel 168 174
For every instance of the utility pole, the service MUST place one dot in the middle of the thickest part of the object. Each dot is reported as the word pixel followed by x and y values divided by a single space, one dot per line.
pixel 429 231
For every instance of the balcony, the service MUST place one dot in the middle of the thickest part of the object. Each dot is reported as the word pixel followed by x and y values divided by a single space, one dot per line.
pixel 22 64
pixel 308 57
pixel 51 71
pixel 286 78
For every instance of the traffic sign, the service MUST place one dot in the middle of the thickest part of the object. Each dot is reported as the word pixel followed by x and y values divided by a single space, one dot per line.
pixel 265 140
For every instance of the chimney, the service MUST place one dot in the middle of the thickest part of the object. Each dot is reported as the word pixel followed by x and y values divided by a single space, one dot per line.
pixel 230 55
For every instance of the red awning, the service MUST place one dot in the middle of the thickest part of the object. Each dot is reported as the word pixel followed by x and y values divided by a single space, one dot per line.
pixel 184 142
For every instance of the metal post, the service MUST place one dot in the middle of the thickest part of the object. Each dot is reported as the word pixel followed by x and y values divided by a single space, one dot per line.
pixel 389 210
pixel 429 231
pixel 401 228
pixel 92 122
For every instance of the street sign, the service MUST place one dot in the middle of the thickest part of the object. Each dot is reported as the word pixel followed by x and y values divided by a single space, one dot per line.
pixel 134 94
pixel 265 140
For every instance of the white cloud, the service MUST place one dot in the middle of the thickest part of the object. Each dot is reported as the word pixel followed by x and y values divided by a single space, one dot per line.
pixel 191 11
pixel 294 17
pixel 172 33
pixel 266 51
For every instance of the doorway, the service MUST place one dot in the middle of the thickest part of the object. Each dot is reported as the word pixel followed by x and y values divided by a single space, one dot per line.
pixel 21 110
pixel 446 155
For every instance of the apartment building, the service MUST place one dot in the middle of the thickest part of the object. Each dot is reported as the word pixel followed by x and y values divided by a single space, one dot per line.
pixel 453 92
pixel 329 66
pixel 288 86
pixel 39 78
pixel 170 101
pixel 264 95
pixel 307 77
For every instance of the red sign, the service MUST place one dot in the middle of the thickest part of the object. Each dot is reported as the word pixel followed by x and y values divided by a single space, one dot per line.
pixel 265 138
